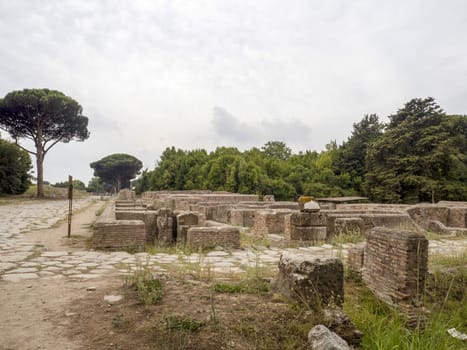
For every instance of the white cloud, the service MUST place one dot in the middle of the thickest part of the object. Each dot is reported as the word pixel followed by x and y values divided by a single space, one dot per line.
pixel 149 73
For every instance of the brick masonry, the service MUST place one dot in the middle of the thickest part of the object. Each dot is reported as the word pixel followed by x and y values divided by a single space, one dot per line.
pixel 119 234
pixel 209 237
pixel 395 265
pixel 270 222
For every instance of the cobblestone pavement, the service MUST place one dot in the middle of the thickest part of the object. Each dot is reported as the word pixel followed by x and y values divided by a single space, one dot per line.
pixel 21 259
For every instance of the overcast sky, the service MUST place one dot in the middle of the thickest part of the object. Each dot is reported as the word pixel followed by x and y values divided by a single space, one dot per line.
pixel 205 73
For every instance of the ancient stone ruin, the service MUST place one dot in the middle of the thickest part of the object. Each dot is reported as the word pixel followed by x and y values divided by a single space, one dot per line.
pixel 392 261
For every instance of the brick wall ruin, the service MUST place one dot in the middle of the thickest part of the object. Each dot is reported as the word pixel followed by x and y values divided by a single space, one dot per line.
pixel 395 265
pixel 210 237
pixel 119 234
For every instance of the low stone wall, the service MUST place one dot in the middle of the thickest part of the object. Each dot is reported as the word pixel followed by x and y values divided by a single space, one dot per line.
pixel 119 234
pixel 283 205
pixel 423 214
pixel 242 217
pixel 270 222
pixel 210 237
pixel 347 226
pixel 147 216
pixel 316 282
pixel 305 227
pixel 395 265
pixel 438 227
pixel 457 217
pixel 370 220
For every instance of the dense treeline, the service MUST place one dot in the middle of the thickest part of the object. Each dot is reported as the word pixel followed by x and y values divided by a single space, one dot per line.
pixel 15 165
pixel 419 155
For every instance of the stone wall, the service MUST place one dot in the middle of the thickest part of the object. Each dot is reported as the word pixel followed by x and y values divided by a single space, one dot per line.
pixel 423 214
pixel 242 217
pixel 270 222
pixel 127 194
pixel 355 258
pixel 185 220
pixel 119 234
pixel 347 226
pixel 210 237
pixel 166 226
pixel 457 217
pixel 147 216
pixel 395 265
pixel 370 220
pixel 305 226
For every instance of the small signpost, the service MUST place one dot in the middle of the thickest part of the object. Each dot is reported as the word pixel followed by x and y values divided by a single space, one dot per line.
pixel 70 203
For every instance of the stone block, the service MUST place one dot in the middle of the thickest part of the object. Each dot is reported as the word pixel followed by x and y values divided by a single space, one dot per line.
pixel 313 281
pixel 270 222
pixel 306 233
pixel 210 237
pixel 307 219
pixel 337 321
pixel 321 338
pixel 119 234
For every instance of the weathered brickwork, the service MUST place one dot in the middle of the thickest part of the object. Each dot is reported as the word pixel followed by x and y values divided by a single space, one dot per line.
pixel 119 234
pixel 270 222
pixel 147 216
pixel 395 265
pixel 355 256
pixel 242 217
pixel 209 237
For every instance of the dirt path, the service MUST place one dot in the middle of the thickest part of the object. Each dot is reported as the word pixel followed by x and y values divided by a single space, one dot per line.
pixel 34 313
pixel 55 238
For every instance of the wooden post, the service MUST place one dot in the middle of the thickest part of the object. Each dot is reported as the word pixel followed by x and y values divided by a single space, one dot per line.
pixel 70 203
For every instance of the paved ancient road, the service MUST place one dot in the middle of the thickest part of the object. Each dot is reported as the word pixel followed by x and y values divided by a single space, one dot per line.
pixel 21 259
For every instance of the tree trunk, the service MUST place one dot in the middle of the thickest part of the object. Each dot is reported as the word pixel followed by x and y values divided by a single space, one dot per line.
pixel 40 165
pixel 118 184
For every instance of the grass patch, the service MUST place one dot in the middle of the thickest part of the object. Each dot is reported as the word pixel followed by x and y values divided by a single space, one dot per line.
pixel 179 248
pixel 384 327
pixel 349 237
pixel 182 324
pixel 102 209
pixel 249 240
pixel 148 288
pixel 254 286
